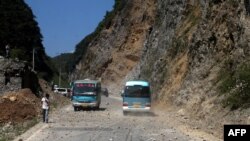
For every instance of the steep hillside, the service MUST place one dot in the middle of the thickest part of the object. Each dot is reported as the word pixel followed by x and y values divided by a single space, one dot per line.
pixel 118 48
pixel 202 61
pixel 194 53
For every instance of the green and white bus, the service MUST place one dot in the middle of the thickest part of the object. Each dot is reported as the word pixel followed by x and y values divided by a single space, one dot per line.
pixel 86 93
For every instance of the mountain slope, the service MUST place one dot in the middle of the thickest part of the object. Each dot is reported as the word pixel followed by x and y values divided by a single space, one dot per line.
pixel 202 61
pixel 120 44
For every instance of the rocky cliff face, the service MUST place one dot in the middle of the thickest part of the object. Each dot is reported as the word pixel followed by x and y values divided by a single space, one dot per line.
pixel 200 46
pixel 194 53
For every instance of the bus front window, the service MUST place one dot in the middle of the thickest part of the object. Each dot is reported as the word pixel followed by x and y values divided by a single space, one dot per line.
pixel 84 89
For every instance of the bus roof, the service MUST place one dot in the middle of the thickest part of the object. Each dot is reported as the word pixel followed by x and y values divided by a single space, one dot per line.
pixel 137 82
pixel 86 81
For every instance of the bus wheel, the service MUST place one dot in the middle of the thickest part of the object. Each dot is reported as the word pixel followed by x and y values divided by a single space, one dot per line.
pixel 125 113
pixel 76 109
pixel 97 107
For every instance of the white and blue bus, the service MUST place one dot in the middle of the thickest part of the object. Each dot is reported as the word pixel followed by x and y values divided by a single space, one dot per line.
pixel 86 93
pixel 136 96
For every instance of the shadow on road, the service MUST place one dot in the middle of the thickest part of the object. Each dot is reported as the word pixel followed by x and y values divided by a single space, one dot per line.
pixel 92 109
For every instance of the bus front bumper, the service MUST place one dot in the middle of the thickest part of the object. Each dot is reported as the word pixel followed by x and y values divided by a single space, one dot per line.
pixel 79 104
pixel 131 109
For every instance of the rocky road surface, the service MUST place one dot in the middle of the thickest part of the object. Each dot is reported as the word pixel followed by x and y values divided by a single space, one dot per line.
pixel 106 124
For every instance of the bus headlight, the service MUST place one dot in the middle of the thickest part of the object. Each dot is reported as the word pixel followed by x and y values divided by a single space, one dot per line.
pixel 125 104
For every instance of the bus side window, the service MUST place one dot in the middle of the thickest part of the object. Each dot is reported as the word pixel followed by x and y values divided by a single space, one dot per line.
pixel 122 93
pixel 98 87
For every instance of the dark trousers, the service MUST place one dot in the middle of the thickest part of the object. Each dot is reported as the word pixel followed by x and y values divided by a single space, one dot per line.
pixel 7 80
pixel 45 115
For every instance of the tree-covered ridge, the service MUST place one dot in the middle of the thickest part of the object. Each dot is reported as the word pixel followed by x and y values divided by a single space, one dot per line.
pixel 20 31
pixel 18 28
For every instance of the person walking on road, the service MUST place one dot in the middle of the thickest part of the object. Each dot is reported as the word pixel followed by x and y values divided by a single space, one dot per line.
pixel 45 108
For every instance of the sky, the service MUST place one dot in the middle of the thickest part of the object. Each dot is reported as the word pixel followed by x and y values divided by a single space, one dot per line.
pixel 64 23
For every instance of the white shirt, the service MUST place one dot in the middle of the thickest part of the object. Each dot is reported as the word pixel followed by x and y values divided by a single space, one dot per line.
pixel 45 103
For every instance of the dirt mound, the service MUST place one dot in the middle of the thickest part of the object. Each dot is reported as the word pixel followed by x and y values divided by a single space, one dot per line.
pixel 19 106
pixel 22 105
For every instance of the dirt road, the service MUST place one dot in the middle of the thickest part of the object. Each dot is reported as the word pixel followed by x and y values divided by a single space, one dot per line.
pixel 106 124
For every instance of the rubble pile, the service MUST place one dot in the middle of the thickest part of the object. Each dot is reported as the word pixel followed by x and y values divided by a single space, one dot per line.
pixel 18 106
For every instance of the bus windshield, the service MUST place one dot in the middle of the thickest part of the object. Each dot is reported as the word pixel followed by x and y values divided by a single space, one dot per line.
pixel 137 91
pixel 84 89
